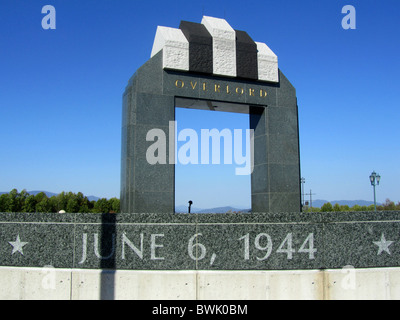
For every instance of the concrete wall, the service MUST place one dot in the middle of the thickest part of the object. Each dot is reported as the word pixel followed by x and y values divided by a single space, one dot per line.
pixel 65 284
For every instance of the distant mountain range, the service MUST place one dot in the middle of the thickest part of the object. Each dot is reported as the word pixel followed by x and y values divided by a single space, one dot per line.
pixel 316 204
pixel 51 194
pixel 184 209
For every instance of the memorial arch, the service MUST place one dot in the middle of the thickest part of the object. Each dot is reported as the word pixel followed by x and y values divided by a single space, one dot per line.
pixel 212 64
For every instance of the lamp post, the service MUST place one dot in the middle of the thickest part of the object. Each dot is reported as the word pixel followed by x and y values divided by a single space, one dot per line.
pixel 374 178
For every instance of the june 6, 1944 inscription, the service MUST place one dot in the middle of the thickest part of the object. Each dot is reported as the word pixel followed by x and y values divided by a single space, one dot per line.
pixel 201 242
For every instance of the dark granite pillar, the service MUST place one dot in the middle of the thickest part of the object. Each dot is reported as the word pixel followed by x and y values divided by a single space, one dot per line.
pixel 276 175
pixel 146 187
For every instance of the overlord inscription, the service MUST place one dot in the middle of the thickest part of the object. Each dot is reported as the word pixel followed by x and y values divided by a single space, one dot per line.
pixel 219 88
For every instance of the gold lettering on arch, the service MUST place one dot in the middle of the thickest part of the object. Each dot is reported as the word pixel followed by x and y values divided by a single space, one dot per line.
pixel 224 89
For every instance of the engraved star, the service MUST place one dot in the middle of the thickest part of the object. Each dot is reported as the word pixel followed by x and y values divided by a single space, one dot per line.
pixel 17 245
pixel 383 245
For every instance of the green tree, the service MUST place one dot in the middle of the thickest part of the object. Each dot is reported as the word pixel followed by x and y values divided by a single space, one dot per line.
pixel 53 204
pixel 61 200
pixel 327 207
pixel 91 205
pixel 44 205
pixel 4 202
pixel 114 205
pixel 344 207
pixel 21 200
pixel 83 203
pixel 72 204
pixel 40 196
pixel 84 207
pixel 30 204
pixel 101 206
pixel 389 205
pixel 313 209
pixel 336 207
pixel 13 201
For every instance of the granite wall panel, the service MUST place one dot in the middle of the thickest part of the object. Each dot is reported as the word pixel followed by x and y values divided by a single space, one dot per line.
pixel 257 241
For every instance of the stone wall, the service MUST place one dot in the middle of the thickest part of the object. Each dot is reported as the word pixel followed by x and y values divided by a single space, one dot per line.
pixel 252 241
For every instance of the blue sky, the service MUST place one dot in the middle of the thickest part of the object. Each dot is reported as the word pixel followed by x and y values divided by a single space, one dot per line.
pixel 61 90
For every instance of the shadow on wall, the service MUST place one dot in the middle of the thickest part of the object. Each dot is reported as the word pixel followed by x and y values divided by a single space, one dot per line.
pixel 107 252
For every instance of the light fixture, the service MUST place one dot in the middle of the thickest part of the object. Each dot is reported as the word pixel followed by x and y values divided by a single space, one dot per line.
pixel 374 178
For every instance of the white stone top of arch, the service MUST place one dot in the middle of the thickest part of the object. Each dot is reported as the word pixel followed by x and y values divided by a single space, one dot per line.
pixel 175 48
pixel 267 63
pixel 224 46
pixel 219 28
